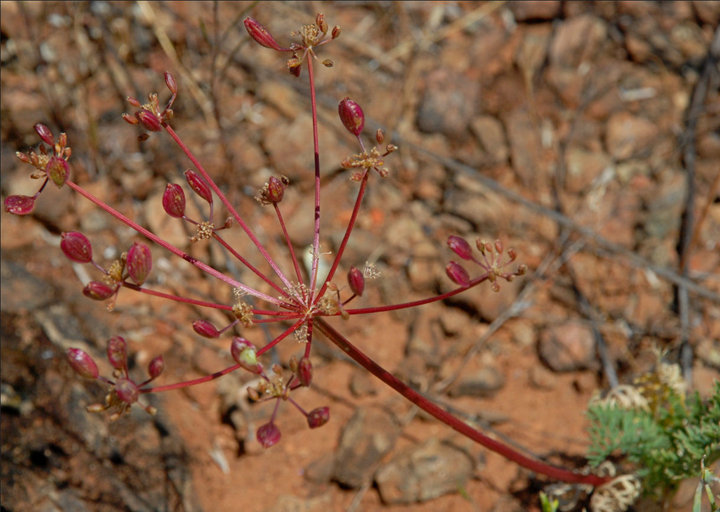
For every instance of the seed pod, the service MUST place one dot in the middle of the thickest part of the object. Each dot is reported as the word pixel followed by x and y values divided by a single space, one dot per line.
pixel 335 31
pixel 205 329
pixel 268 435
pixel 170 82
pixel 261 35
pixel 76 247
pixel 275 190
pixel 305 371
pixel 352 116
pixel 244 354
pixel 117 352
pixel 97 290
pixel 318 417
pixel 82 363
pixel 139 262
pixel 127 391
pixel 321 23
pixel 149 120
pixel 19 205
pixel 198 185
pixel 57 170
pixel 460 246
pixel 45 134
pixel 173 200
pixel 156 367
pixel 457 274
pixel 356 280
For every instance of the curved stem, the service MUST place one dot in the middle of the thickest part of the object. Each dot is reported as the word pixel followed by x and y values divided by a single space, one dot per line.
pixel 224 200
pixel 316 151
pixel 348 231
pixel 289 244
pixel 421 302
pixel 193 382
pixel 152 236
pixel 426 405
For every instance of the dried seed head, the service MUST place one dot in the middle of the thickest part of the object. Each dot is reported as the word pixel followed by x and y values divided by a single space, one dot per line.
pixel 460 247
pixel 97 290
pixel 82 363
pixel 19 205
pixel 268 435
pixel 156 367
pixel 117 352
pixel 305 371
pixel 261 35
pixel 457 274
pixel 318 417
pixel 328 63
pixel 139 262
pixel 45 134
pixel 198 185
pixel 205 329
pixel 352 116
pixel 57 170
pixel 76 247
pixel 173 200
pixel 127 391
pixel 149 120
pixel 356 280
pixel 244 354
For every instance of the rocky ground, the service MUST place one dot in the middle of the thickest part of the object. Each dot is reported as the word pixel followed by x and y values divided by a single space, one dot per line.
pixel 585 135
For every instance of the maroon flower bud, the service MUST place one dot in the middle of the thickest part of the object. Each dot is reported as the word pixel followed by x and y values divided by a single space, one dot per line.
pixel 275 190
pixel 173 200
pixel 205 329
pixel 335 31
pixel 127 391
pixel 244 354
pixel 149 120
pixel 352 116
pixel 457 273
pixel 156 367
pixel 45 134
pixel 76 247
pixel 305 371
pixel 318 417
pixel 261 34
pixel 198 185
pixel 356 280
pixel 268 435
pixel 57 170
pixel 139 262
pixel 117 352
pixel 170 82
pixel 460 247
pixel 97 290
pixel 19 205
pixel 82 363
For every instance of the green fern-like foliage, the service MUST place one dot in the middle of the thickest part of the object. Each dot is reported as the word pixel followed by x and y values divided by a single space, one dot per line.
pixel 664 441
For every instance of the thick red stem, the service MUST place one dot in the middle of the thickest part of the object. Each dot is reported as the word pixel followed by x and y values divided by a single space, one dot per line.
pixel 426 405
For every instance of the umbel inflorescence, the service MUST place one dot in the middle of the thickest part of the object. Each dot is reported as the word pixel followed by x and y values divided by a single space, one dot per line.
pixel 299 300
